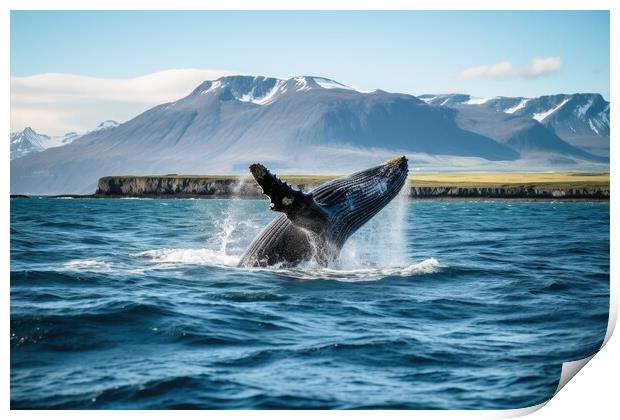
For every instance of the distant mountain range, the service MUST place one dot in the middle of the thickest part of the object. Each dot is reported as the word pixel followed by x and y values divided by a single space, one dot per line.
pixel 313 124
pixel 28 141
pixel 580 119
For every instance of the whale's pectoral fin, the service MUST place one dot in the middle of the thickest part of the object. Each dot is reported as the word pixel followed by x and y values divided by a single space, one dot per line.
pixel 300 207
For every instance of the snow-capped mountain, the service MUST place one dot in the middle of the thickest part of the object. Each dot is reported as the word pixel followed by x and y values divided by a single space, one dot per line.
pixel 262 90
pixel 301 125
pixel 581 119
pixel 28 141
pixel 107 124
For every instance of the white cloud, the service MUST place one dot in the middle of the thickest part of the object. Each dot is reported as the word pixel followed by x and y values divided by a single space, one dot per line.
pixel 497 70
pixel 505 69
pixel 540 66
pixel 58 103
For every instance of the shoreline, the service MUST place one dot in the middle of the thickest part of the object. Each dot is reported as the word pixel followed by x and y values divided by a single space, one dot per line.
pixel 413 199
pixel 524 186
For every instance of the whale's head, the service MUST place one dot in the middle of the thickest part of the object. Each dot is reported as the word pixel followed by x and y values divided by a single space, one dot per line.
pixel 354 199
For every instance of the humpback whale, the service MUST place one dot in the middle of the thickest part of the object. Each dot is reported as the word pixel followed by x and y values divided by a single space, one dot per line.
pixel 315 225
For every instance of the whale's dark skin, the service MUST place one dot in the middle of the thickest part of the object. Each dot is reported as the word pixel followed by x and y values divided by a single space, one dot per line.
pixel 315 225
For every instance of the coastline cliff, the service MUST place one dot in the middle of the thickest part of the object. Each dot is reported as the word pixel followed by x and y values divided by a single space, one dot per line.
pixel 174 186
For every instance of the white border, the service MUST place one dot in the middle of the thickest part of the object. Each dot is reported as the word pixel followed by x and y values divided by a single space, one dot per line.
pixel 310 5
pixel 592 394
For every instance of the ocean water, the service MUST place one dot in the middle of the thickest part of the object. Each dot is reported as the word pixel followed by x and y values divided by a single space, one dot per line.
pixel 121 303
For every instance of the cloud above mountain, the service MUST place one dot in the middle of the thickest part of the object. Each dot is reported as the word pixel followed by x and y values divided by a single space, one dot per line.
pixel 506 69
pixel 541 66
pixel 58 103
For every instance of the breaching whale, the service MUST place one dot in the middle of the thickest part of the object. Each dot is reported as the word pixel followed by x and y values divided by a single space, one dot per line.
pixel 315 225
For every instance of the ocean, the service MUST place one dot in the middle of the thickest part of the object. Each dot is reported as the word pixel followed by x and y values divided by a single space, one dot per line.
pixel 121 303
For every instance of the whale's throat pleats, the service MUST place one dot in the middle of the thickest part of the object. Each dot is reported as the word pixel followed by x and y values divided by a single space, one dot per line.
pixel 344 203
pixel 356 198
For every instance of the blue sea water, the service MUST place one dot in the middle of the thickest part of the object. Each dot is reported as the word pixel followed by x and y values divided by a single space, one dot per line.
pixel 138 304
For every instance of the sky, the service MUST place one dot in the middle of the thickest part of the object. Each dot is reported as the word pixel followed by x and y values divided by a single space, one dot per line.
pixel 71 70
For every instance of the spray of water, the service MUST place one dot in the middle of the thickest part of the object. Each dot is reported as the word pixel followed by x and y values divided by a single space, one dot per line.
pixel 376 251
pixel 382 241
pixel 233 226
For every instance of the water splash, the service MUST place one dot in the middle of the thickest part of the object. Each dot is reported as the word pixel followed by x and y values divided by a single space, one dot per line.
pixel 378 250
pixel 381 242
pixel 234 226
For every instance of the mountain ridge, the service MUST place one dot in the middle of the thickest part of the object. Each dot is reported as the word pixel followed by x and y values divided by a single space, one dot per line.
pixel 581 119
pixel 303 124
pixel 28 141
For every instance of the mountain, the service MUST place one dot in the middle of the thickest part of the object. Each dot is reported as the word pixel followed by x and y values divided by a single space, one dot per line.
pixel 301 125
pixel 28 141
pixel 580 119
pixel 525 135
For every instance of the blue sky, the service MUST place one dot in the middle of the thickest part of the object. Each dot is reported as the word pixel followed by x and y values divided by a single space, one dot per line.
pixel 413 52
pixel 72 70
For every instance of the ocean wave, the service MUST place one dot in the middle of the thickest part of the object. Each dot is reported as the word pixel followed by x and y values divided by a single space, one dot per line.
pixel 88 265
pixel 99 266
pixel 311 271
pixel 307 271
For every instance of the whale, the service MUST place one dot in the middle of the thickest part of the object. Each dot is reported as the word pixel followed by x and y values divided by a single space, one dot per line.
pixel 314 226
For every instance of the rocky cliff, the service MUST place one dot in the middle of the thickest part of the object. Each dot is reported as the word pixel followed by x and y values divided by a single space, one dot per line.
pixel 510 191
pixel 228 187
pixel 177 186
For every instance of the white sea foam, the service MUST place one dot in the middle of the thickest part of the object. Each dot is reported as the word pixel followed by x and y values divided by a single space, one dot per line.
pixel 88 265
pixel 170 257
pixel 179 256
pixel 311 271
pixel 100 266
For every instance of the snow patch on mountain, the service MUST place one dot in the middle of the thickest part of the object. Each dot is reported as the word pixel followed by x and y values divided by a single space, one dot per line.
pixel 262 90
pixel 107 124
pixel 301 84
pixel 477 101
pixel 330 84
pixel 517 107
pixel 581 110
pixel 265 99
pixel 211 88
pixel 541 116
pixel 426 98
pixel 592 126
